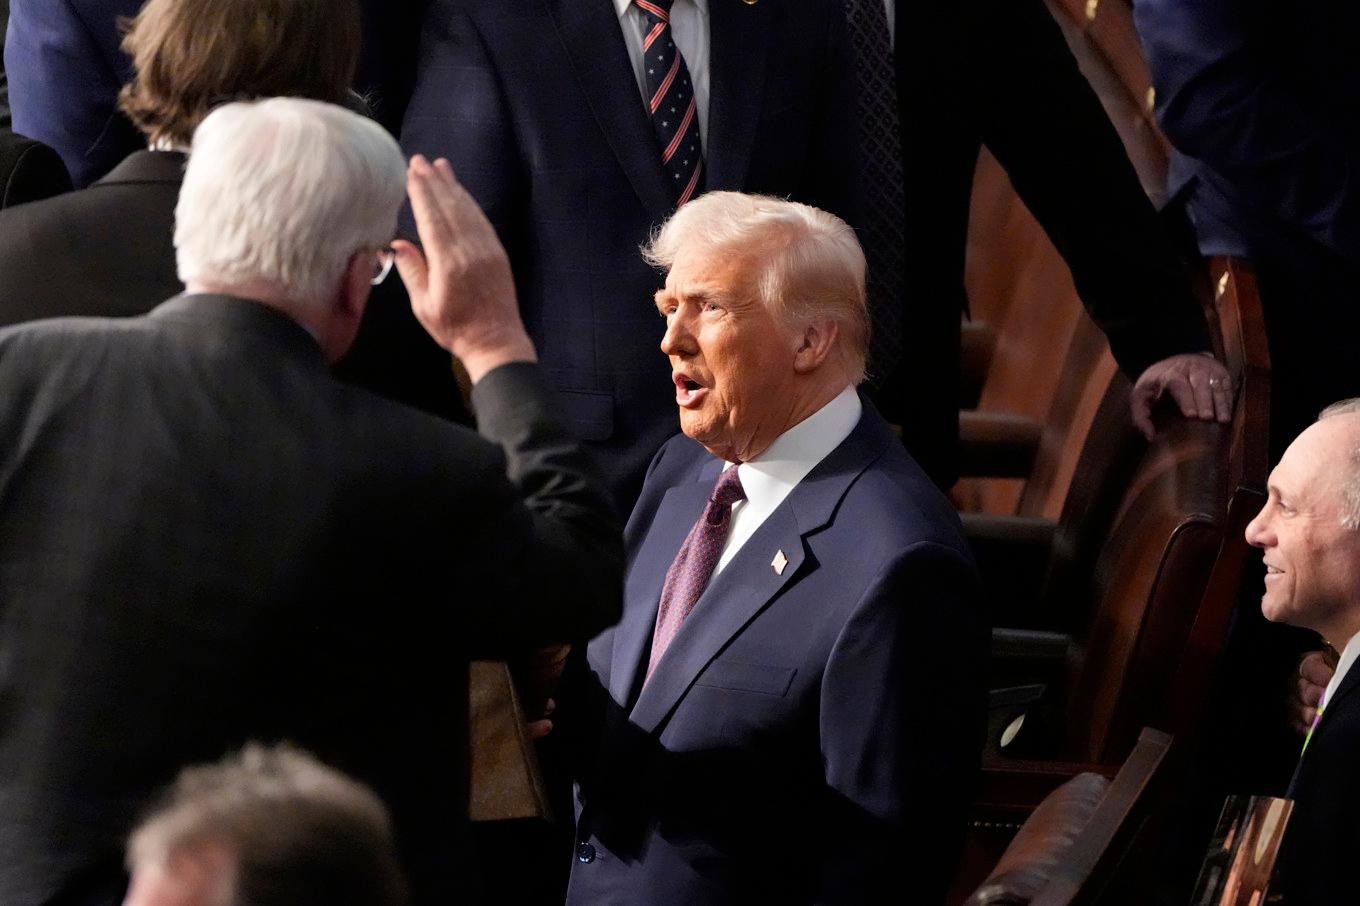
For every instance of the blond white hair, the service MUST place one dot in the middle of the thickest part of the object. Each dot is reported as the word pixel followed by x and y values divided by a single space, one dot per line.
pixel 811 266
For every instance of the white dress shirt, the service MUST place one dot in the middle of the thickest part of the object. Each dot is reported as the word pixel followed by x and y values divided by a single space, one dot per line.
pixel 689 28
pixel 769 478
pixel 1349 654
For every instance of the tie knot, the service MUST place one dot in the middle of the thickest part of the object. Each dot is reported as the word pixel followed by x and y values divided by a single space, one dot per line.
pixel 657 9
pixel 728 490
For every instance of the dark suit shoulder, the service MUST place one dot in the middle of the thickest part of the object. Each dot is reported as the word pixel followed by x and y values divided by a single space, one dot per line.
pixel 896 494
pixel 104 250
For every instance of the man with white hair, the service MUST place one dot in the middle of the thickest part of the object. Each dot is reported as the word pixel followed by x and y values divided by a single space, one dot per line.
pixel 1309 531
pixel 792 694
pixel 206 538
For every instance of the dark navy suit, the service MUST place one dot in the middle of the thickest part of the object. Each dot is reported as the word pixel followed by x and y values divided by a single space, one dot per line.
pixel 536 105
pixel 1263 100
pixel 1316 862
pixel 804 726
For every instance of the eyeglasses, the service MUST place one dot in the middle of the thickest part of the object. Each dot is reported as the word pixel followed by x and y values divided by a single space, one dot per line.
pixel 382 264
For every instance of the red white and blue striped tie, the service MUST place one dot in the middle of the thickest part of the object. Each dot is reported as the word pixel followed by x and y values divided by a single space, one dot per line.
pixel 671 103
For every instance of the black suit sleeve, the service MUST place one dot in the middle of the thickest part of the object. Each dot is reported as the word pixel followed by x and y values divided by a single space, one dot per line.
pixel 554 556
pixel 1047 128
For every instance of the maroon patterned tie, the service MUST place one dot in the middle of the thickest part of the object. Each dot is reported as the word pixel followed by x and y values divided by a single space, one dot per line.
pixel 694 565
pixel 671 103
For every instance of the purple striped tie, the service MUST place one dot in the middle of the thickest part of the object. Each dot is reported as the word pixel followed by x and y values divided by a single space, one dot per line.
pixel 694 565
pixel 671 104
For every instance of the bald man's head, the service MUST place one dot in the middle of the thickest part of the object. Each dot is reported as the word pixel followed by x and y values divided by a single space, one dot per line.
pixel 1309 529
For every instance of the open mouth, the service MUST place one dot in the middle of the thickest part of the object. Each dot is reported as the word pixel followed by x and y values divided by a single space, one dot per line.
pixel 688 392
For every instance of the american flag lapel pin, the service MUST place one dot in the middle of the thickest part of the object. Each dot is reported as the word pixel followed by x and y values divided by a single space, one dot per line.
pixel 779 562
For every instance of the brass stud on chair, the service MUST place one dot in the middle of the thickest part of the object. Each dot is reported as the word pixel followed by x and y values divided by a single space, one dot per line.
pixel 1222 286
pixel 1092 6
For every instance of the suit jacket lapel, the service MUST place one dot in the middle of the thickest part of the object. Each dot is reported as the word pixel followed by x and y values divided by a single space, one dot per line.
pixel 749 583
pixel 589 30
pixel 739 34
pixel 743 589
pixel 679 510
pixel 1349 683
pixel 1348 686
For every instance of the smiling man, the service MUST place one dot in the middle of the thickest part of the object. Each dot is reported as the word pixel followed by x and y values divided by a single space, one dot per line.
pixel 794 684
pixel 1309 531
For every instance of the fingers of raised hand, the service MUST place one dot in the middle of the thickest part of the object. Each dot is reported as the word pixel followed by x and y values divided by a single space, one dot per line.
pixel 412 267
pixel 432 221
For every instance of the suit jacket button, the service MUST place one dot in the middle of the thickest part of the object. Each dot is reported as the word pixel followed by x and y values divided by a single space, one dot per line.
pixel 585 853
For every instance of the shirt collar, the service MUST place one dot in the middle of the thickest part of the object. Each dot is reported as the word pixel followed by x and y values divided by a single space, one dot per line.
pixel 1349 655
pixel 771 475
pixel 622 6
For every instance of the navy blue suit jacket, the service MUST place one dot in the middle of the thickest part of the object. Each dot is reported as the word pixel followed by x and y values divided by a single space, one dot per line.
pixel 802 723
pixel 1263 100
pixel 1264 97
pixel 537 107
pixel 66 66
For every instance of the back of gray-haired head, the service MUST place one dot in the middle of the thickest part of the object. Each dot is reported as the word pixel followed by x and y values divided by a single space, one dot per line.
pixel 283 192
pixel 298 832
pixel 1350 482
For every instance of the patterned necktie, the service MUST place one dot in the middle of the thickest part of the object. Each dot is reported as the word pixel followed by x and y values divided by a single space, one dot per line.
pixel 885 209
pixel 694 565
pixel 671 104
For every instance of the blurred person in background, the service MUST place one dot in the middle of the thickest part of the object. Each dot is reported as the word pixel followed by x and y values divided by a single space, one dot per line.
pixel 106 250
pixel 67 68
pixel 265 827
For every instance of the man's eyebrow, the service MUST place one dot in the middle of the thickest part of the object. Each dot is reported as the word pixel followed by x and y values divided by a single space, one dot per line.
pixel 699 295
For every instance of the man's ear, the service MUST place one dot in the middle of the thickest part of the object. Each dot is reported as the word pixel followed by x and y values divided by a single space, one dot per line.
pixel 357 285
pixel 816 341
pixel 345 313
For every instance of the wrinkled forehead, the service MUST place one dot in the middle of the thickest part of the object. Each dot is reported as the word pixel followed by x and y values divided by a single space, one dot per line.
pixel 705 269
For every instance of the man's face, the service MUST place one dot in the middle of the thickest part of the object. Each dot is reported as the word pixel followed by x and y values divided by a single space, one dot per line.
pixel 732 359
pixel 1312 560
pixel 204 876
